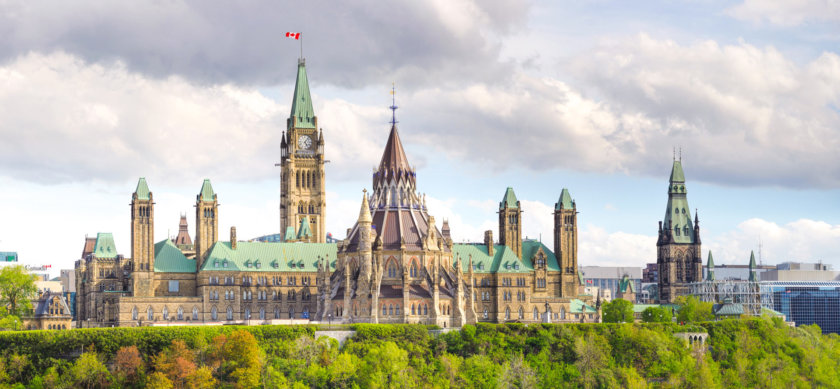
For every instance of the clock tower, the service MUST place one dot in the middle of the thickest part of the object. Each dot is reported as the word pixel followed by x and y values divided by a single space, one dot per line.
pixel 302 184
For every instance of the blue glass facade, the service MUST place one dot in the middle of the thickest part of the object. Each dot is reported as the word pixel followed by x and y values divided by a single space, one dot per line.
pixel 808 303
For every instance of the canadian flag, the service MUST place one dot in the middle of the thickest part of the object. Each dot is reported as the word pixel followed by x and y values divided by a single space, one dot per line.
pixel 294 35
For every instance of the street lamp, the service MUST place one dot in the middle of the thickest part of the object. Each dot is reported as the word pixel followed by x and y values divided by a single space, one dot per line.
pixel 329 319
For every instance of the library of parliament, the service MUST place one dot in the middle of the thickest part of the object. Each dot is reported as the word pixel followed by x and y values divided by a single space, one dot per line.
pixel 397 264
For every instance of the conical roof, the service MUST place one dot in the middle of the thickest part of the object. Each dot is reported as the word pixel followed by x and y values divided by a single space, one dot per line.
pixel 509 201
pixel 364 212
pixel 142 190
pixel 393 158
pixel 565 200
pixel 302 110
pixel 753 275
pixel 710 268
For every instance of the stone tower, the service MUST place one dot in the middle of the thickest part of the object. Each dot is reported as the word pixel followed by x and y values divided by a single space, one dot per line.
pixel 302 187
pixel 510 227
pixel 678 246
pixel 565 243
pixel 142 239
pixel 206 221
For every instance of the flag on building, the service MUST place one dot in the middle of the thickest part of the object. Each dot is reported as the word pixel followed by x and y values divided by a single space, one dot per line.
pixel 293 35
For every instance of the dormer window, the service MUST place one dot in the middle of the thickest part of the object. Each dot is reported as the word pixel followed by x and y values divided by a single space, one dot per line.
pixel 225 263
pixel 677 230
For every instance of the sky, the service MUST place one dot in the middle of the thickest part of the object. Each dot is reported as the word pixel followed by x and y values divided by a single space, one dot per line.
pixel 593 96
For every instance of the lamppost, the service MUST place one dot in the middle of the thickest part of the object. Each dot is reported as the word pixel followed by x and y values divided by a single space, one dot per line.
pixel 329 319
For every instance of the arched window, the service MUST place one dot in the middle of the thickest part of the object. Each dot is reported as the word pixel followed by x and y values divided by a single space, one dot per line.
pixel 151 313
pixel 214 313
pixel 297 179
pixel 563 313
pixel 195 313
pixel 134 314
pixel 247 313
pixel 165 313
pixel 291 312
pixel 536 314
pixel 521 313
pixel 229 313
pixel 413 312
pixel 486 314
pixel 276 312
pixel 397 310
pixel 425 309
pixel 262 313
pixel 390 310
pixel 507 313
pixel 180 313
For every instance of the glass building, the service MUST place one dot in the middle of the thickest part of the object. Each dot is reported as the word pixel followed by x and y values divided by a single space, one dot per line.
pixel 806 302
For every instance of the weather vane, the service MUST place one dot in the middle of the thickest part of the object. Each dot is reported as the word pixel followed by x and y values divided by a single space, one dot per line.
pixel 393 106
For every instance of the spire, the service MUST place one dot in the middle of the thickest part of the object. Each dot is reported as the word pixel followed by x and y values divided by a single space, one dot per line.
pixel 364 212
pixel 565 201
pixel 304 231
pixel 290 234
pixel 509 201
pixel 394 159
pixel 207 193
pixel 142 190
pixel 753 277
pixel 302 115
pixel 677 212
pixel 710 268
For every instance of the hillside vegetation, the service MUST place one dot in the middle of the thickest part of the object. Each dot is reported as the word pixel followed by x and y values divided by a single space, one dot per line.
pixel 761 353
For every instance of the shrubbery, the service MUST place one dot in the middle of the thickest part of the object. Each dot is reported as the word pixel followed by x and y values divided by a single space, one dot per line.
pixel 740 353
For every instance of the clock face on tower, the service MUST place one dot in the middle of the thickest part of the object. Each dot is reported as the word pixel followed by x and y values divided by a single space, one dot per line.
pixel 304 142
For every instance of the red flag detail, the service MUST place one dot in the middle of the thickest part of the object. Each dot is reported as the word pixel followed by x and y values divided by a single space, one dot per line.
pixel 293 35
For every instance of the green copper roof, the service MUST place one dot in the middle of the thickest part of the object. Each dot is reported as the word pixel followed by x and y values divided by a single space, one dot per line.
pixel 142 190
pixel 753 276
pixel 677 212
pixel 169 259
pixel 302 102
pixel 269 257
pixel 105 247
pixel 565 201
pixel 504 260
pixel 290 234
pixel 710 268
pixel 304 231
pixel 728 309
pixel 509 201
pixel 626 283
pixel 677 174
pixel 207 193
pixel 578 306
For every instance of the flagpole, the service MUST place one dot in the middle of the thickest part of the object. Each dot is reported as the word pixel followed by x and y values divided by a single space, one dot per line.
pixel 301 46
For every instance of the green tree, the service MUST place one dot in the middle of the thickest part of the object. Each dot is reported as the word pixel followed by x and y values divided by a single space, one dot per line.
pixel 17 289
pixel 158 380
pixel 618 311
pixel 128 364
pixel 242 359
pixel 89 372
pixel 693 310
pixel 656 315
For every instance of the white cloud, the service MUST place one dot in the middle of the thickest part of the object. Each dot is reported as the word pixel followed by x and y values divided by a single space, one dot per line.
pixel 802 240
pixel 787 13
pixel 598 247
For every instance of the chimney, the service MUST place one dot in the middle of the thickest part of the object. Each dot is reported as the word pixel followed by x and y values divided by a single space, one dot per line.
pixel 488 240
pixel 233 238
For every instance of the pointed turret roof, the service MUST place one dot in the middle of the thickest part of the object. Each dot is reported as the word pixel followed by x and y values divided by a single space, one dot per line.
pixel 509 201
pixel 677 174
pixel 677 213
pixel 105 247
pixel 393 158
pixel 565 201
pixel 304 231
pixel 753 276
pixel 710 268
pixel 142 190
pixel 290 234
pixel 207 193
pixel 364 212
pixel 302 115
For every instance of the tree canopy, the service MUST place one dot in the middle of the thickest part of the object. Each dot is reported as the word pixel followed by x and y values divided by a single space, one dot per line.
pixel 693 310
pixel 17 289
pixel 656 315
pixel 618 311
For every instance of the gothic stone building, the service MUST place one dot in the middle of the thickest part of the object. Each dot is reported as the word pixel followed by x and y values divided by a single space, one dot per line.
pixel 678 246
pixel 395 265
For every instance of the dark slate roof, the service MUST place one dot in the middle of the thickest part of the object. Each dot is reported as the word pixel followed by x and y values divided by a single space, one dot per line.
pixel 42 307
pixel 394 159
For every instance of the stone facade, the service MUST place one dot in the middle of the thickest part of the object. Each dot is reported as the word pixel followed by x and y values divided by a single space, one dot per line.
pixel 395 265
pixel 678 247
pixel 50 312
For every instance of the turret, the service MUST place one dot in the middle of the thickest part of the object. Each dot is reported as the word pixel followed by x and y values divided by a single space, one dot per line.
pixel 206 221
pixel 142 239
pixel 510 227
pixel 753 275
pixel 710 268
